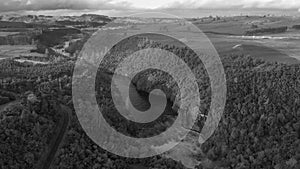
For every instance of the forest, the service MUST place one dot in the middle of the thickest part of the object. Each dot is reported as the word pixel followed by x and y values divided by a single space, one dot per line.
pixel 266 30
pixel 260 127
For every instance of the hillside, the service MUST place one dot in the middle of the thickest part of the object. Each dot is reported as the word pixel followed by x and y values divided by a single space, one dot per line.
pixel 259 128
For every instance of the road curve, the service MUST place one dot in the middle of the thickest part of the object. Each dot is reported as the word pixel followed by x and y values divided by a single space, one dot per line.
pixel 4 106
pixel 47 160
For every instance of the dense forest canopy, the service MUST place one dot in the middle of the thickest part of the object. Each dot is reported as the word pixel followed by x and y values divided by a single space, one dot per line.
pixel 260 127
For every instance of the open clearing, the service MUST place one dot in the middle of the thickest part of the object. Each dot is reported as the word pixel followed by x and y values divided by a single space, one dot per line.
pixel 10 51
pixel 8 33
pixel 283 47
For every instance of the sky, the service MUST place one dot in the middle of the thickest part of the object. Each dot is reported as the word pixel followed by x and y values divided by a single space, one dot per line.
pixel 123 6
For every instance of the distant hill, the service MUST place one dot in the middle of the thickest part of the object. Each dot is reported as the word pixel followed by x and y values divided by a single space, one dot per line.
pixel 25 20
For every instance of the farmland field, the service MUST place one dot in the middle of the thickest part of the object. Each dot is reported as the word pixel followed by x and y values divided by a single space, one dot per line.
pixel 226 33
pixel 10 51
pixel 259 127
pixel 8 33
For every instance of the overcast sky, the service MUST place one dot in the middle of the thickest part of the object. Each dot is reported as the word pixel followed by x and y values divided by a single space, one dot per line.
pixel 126 5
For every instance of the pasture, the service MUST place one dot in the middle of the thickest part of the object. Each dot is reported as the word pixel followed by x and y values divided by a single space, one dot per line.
pixel 224 35
pixel 11 51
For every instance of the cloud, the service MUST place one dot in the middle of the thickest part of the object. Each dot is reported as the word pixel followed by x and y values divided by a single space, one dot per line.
pixel 195 4
pixel 15 5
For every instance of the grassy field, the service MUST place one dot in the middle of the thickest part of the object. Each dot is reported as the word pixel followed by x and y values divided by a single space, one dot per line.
pixel 8 33
pixel 222 32
pixel 8 51
pixel 224 35
pixel 240 24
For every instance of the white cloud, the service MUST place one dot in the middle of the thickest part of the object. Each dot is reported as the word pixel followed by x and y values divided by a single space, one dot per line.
pixel 14 5
pixel 194 4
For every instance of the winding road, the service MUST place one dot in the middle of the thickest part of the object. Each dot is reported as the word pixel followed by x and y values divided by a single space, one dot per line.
pixel 4 106
pixel 51 152
pixel 46 161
